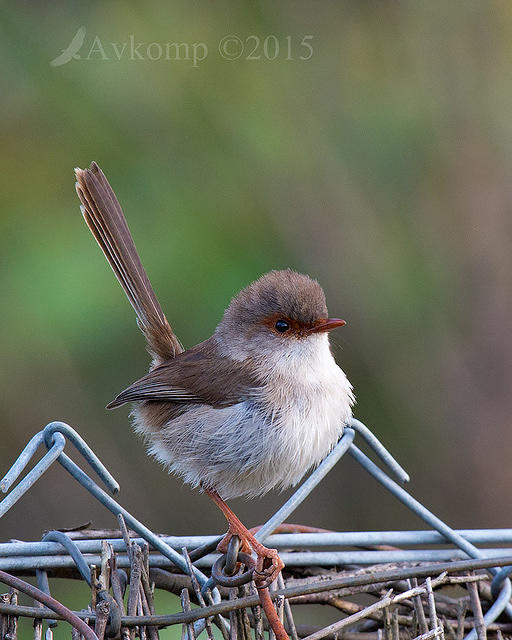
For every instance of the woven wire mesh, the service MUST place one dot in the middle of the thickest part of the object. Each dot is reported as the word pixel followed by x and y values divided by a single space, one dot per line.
pixel 395 584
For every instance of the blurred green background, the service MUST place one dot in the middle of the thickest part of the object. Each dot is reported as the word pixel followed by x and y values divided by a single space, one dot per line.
pixel 379 165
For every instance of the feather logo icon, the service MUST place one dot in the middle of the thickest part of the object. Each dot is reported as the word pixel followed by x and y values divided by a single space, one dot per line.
pixel 71 51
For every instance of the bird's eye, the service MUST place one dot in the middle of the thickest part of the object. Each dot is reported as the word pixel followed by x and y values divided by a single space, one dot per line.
pixel 282 326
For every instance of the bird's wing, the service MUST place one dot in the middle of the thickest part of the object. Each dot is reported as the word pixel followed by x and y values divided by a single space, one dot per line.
pixel 144 389
pixel 198 375
pixel 77 40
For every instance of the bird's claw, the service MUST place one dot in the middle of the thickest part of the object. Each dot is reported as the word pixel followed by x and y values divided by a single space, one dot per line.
pixel 268 567
pixel 223 545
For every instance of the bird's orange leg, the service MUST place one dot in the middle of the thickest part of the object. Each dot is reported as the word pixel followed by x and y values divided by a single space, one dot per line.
pixel 269 564
pixel 268 567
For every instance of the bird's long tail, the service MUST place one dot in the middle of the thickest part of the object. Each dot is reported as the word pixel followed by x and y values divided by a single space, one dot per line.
pixel 104 217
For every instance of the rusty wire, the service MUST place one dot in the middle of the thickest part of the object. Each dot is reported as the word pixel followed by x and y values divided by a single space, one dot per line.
pixel 316 587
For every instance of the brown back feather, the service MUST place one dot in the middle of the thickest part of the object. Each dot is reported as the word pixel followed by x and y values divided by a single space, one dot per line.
pixel 199 375
pixel 104 217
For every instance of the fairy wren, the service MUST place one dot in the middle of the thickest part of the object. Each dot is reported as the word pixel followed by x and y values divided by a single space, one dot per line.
pixel 253 407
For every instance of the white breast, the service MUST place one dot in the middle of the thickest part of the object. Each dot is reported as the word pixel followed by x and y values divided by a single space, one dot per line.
pixel 312 400
pixel 268 441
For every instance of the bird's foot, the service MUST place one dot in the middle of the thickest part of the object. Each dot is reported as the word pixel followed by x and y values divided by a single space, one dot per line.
pixel 268 567
pixel 223 545
pixel 268 564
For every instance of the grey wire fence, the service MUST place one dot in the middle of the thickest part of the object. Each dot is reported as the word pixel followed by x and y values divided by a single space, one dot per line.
pixel 123 566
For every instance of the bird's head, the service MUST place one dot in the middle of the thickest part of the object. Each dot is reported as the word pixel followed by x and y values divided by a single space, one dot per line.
pixel 281 312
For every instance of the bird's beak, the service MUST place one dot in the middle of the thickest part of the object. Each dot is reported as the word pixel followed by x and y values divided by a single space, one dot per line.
pixel 327 325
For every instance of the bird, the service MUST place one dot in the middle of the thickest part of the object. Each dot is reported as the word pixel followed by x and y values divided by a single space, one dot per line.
pixel 251 409
pixel 71 51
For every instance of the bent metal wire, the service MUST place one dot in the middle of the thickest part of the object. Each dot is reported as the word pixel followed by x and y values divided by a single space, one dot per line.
pixel 55 435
